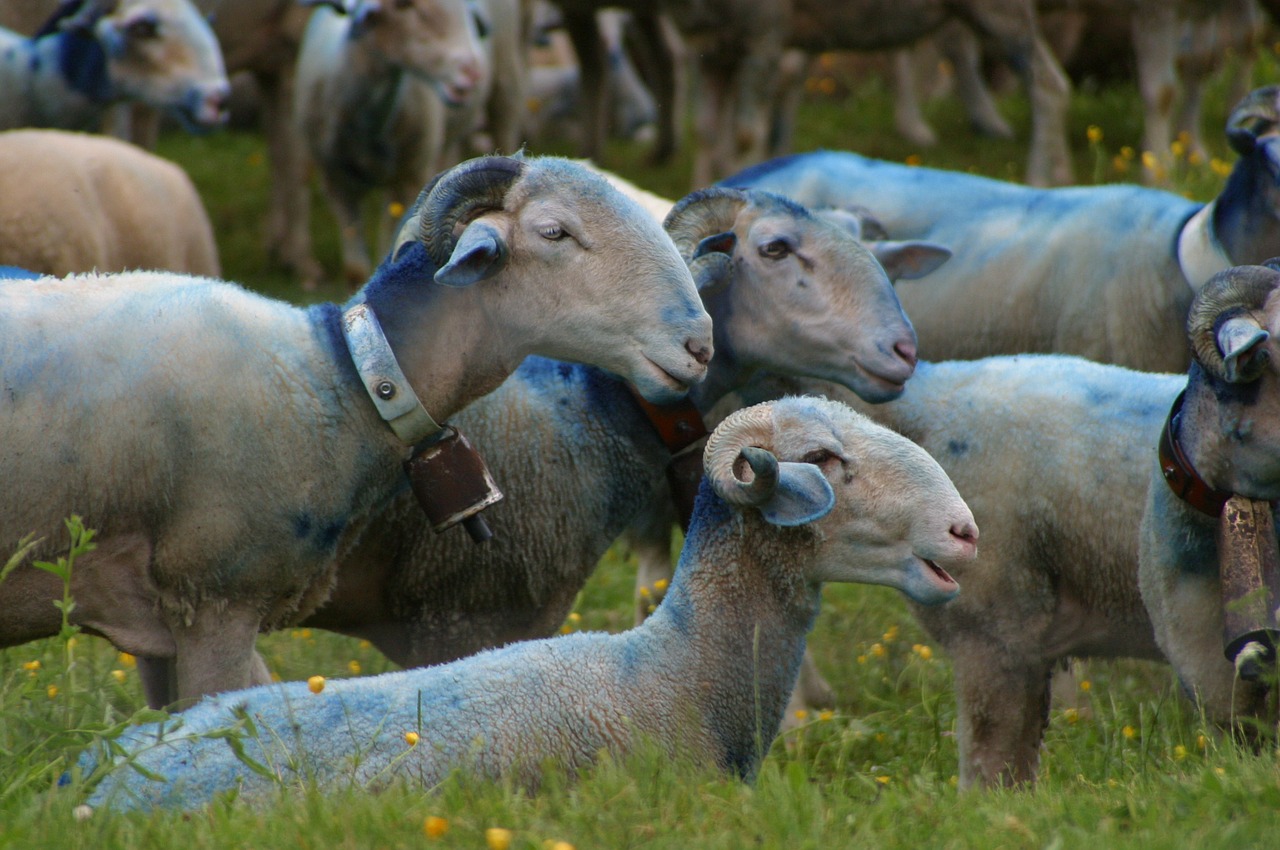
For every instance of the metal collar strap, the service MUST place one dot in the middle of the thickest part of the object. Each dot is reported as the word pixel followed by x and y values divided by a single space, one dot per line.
pixel 1200 254
pixel 386 384
pixel 1181 477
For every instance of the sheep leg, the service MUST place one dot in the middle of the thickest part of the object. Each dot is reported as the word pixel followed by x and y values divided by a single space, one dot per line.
pixel 585 35
pixel 216 651
pixel 159 677
pixel 961 49
pixel 788 92
pixel 288 225
pixel 908 118
pixel 1154 27
pixel 659 56
pixel 344 201
pixel 1002 713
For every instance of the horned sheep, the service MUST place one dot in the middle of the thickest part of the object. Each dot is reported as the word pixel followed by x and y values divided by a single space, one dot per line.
pixel 1225 430
pixel 93 54
pixel 1020 281
pixel 579 456
pixel 240 451
pixel 797 493
pixel 71 202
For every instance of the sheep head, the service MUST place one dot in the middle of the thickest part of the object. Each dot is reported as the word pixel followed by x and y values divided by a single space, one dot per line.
pixel 1230 422
pixel 793 292
pixel 1255 117
pixel 879 509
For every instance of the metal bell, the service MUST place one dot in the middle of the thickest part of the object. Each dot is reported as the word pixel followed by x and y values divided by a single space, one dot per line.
pixel 452 484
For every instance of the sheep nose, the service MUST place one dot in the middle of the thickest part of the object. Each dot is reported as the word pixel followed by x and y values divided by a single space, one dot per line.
pixel 966 533
pixel 700 351
pixel 906 349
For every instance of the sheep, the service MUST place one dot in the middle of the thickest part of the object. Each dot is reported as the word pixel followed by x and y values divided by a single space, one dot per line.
pixel 588 458
pixel 1104 272
pixel 1226 430
pixel 371 91
pixel 214 522
pixel 93 54
pixel 71 202
pixel 829 497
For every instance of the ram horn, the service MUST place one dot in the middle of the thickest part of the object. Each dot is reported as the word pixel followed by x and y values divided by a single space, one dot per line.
pixel 458 196
pixel 703 213
pixel 1253 117
pixel 744 439
pixel 1243 288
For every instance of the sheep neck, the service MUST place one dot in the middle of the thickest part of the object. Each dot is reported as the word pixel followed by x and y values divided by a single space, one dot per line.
pixel 743 612
pixel 1178 472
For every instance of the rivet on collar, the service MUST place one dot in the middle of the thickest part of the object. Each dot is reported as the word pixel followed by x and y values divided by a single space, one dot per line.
pixel 382 377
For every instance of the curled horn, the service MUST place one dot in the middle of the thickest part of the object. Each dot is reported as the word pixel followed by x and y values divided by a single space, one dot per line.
pixel 700 214
pixel 744 436
pixel 1254 116
pixel 459 195
pixel 1242 288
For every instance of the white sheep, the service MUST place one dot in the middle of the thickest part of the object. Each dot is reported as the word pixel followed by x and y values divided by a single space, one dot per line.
pixel 373 84
pixel 71 203
pixel 579 457
pixel 94 54
pixel 228 450
pixel 797 493
pixel 1105 272
pixel 1226 429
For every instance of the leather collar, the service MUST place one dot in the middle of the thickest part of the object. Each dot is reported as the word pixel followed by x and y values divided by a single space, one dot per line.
pixel 1178 472
pixel 679 424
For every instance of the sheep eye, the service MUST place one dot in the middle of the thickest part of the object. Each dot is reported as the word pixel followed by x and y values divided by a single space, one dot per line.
pixel 820 457
pixel 147 27
pixel 551 231
pixel 775 249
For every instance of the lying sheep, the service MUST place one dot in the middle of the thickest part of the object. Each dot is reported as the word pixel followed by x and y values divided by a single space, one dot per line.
pixel 93 54
pixel 73 203
pixel 232 454
pixel 1105 272
pixel 1227 432
pixel 828 497
pixel 579 457
pixel 373 83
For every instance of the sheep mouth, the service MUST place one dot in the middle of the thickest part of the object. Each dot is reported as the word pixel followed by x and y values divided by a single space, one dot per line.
pixel 944 578
pixel 668 380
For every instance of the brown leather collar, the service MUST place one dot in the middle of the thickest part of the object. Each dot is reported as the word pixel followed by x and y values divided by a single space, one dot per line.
pixel 1181 477
pixel 679 425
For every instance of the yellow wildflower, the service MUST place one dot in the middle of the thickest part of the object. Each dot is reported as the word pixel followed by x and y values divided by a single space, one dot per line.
pixel 661 584
pixel 575 617
pixel 118 675
pixel 316 684
pixel 1120 164
pixel 801 714
pixel 395 209
pixel 354 666
pixel 1179 753
pixel 923 651
pixel 891 634
pixel 861 659
pixel 364 644
pixel 1129 732
pixel 882 779
pixel 560 845
pixel 1093 134
pixel 1195 158
pixel 497 838
pixel 1086 685
pixel 914 159
pixel 1177 149
pixel 1149 161
pixel 434 826
pixel 1201 742
pixel 878 651
pixel 1220 771
pixel 72 642
pixel 645 592
pixel 953 781
pixel 128 660
pixel 52 691
pixel 31 666
pixel 826 715
pixel 411 738
pixel 1071 715
pixel 827 86
pixel 1126 152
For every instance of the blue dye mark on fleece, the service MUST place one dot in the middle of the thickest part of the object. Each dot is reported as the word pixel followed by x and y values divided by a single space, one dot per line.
pixel 15 273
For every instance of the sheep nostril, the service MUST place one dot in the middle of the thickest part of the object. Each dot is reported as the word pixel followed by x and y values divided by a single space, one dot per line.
pixel 700 352
pixel 965 532
pixel 906 349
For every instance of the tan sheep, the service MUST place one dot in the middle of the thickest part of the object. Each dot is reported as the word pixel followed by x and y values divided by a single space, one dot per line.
pixel 71 202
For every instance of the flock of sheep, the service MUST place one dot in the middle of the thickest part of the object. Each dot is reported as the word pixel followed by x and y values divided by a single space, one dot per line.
pixel 247 464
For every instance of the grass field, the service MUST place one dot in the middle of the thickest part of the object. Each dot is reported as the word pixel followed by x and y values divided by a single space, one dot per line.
pixel 1127 763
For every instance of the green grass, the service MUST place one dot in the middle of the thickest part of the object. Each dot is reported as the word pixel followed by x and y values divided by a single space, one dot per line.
pixel 1127 763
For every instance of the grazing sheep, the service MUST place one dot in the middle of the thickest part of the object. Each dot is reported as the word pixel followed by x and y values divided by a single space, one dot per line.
pixel 829 497
pixel 578 457
pixel 74 203
pixel 93 54
pixel 1227 431
pixel 372 87
pixel 1104 272
pixel 232 454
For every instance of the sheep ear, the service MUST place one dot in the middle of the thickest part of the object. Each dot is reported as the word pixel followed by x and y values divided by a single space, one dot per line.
pixel 719 243
pixel 1240 340
pixel 909 260
pixel 481 253
pixel 803 495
